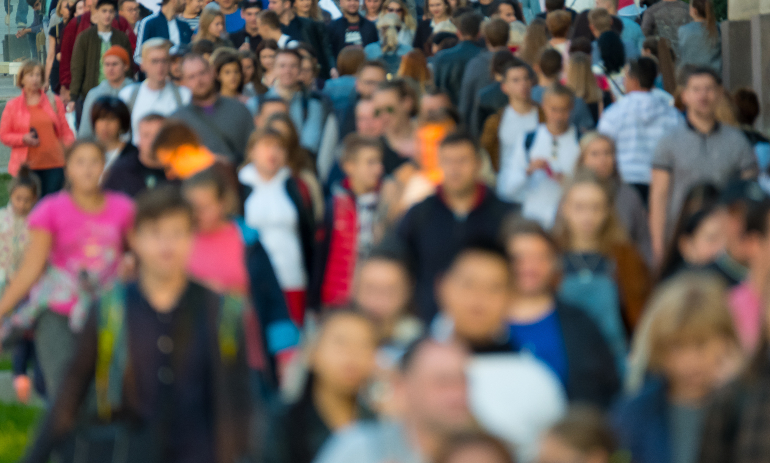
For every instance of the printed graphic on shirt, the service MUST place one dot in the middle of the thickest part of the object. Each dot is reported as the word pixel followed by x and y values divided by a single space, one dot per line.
pixel 353 35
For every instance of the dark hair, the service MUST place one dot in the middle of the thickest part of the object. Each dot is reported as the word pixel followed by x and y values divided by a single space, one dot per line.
pixel 350 60
pixel 106 107
pixel 460 442
pixel 444 40
pixel 460 138
pixel 517 63
pixel 25 178
pixel 426 10
pixel 551 63
pixel 580 44
pixel 469 25
pixel 202 47
pixel 757 217
pixel 517 11
pixel 353 143
pixel 558 23
pixel 705 10
pixel 266 134
pixel 699 204
pixel 218 177
pixel 256 79
pixel 585 429
pixel 404 90
pixel 486 247
pixel 222 60
pixel 747 103
pixel 99 3
pixel 459 11
pixel 651 43
pixel 645 70
pixel 153 117
pixel 270 19
pixel 248 4
pixel 271 99
pixel 516 226
pixel 701 71
pixel 553 5
pixel 160 202
pixel 297 157
pixel 373 64
pixel 497 32
pixel 612 51
pixel 501 61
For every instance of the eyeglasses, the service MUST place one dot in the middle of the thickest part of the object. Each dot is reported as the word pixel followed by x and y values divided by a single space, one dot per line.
pixel 387 109
pixel 394 10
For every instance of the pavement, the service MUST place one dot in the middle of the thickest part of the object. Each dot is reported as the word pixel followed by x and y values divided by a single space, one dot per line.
pixel 7 91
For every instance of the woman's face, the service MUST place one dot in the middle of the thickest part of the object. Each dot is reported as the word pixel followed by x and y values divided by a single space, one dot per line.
pixel 396 8
pixel 585 210
pixel 267 59
pixel 230 78
pixel 303 7
pixel 64 10
pixel 33 80
pixel 372 6
pixel 307 72
pixel 209 210
pixel 22 199
pixel 600 158
pixel 216 27
pixel 437 8
pixel 107 129
pixel 268 157
pixel 247 65
pixel 708 241
pixel 344 356
pixel 79 8
pixel 84 168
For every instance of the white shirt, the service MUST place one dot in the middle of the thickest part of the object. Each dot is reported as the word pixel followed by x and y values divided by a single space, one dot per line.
pixel 173 34
pixel 105 36
pixel 286 42
pixel 149 101
pixel 513 126
pixel 271 212
pixel 561 152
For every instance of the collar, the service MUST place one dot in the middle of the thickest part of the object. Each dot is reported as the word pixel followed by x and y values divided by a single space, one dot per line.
pixel 714 129
pixel 481 195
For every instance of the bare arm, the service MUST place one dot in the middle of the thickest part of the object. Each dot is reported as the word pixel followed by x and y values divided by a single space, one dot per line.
pixel 31 268
pixel 49 59
pixel 659 187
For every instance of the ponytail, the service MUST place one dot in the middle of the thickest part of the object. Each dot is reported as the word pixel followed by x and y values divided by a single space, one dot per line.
pixel 26 178
pixel 705 10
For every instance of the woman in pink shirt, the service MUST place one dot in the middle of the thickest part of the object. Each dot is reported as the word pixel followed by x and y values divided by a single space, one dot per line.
pixel 77 242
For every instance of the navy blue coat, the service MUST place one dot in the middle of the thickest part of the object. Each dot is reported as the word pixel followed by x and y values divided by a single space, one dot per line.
pixel 156 26
pixel 641 424
pixel 449 67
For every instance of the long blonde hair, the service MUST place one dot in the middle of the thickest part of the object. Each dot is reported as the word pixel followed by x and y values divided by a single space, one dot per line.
pixel 611 232
pixel 581 79
pixel 207 17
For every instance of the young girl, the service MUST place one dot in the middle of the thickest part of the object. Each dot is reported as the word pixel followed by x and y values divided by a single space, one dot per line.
pixel 582 435
pixel 266 51
pixel 111 121
pixel 78 237
pixel 685 349
pixel 211 27
pixel 436 12
pixel 275 208
pixel 598 154
pixel 370 9
pixel 229 75
pixel 252 74
pixel 603 274
pixel 340 360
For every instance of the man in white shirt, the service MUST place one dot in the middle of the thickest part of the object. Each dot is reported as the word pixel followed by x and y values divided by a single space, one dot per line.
pixel 550 150
pixel 270 29
pixel 165 25
pixel 156 94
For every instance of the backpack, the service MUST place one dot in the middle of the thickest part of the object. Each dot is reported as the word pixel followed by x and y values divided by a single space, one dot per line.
pixel 529 140
pixel 135 93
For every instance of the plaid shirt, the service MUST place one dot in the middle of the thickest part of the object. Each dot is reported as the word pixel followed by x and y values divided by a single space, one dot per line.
pixel 637 122
pixel 737 427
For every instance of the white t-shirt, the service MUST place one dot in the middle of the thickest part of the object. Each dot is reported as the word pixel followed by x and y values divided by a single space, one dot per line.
pixel 105 36
pixel 513 126
pixel 173 34
pixel 149 101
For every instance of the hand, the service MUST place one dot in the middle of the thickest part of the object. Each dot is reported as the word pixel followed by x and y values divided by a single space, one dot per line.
pixel 334 73
pixel 23 387
pixel 64 94
pixel 537 164
pixel 22 33
pixel 70 106
pixel 30 140
pixel 244 47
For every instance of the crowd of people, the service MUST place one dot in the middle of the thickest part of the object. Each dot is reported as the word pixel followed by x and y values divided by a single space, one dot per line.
pixel 380 231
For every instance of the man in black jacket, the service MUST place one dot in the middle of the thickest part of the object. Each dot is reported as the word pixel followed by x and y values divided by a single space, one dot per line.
pixel 351 28
pixel 305 30
pixel 563 337
pixel 462 209
pixel 449 65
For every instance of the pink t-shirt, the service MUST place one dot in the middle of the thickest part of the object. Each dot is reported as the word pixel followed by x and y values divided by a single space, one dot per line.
pixel 81 240
pixel 218 260
pixel 746 309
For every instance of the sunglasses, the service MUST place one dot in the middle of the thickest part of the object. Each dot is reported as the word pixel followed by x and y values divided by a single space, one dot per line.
pixel 394 10
pixel 387 109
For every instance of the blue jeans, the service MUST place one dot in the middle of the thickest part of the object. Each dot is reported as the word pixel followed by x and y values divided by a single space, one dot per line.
pixel 22 10
pixel 51 180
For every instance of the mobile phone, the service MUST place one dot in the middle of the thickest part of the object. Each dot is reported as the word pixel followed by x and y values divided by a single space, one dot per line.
pixel 33 132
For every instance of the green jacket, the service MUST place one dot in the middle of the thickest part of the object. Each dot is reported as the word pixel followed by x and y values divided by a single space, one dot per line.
pixel 87 59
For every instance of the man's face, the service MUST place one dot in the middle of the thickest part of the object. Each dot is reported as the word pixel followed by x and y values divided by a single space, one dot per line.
pixel 114 69
pixel 433 104
pixel 506 13
pixel 148 130
pixel 156 64
pixel 382 290
pixel 194 6
pixel 475 295
pixel 700 95
pixel 517 84
pixel 250 15
pixel 367 124
pixel 388 108
pixel 199 78
pixel 279 6
pixel 163 245
pixel 534 264
pixel 267 110
pixel 130 11
pixel 557 111
pixel 287 69
pixel 104 15
pixel 435 389
pixel 460 166
pixel 179 6
pixel 368 80
pixel 350 6
pixel 365 170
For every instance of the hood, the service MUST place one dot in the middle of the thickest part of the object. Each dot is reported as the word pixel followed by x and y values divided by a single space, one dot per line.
pixel 647 107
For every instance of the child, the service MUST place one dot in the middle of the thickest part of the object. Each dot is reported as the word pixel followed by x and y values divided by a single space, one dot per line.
pixel 229 263
pixel 603 274
pixel 685 350
pixel 350 220
pixel 273 206
pixel 164 353
pixel 79 236
pixel 582 435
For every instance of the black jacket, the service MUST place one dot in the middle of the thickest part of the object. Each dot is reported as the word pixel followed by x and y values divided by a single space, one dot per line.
pixel 422 34
pixel 449 67
pixel 336 32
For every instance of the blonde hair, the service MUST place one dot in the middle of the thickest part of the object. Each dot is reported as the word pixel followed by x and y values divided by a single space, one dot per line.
pixel 587 140
pixel 26 67
pixel 207 17
pixel 581 79
pixel 155 44
pixel 611 232
pixel 688 308
pixel 409 21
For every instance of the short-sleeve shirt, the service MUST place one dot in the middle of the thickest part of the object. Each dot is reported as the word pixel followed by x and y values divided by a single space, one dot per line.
pixel 84 241
pixel 691 157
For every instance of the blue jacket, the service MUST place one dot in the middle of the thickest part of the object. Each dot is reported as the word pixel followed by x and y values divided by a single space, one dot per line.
pixel 449 67
pixel 641 424
pixel 155 26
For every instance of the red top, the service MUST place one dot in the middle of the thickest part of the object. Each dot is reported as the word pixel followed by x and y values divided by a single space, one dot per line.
pixel 49 153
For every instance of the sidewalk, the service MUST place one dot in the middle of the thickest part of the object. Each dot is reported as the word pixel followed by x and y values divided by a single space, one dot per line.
pixel 7 91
